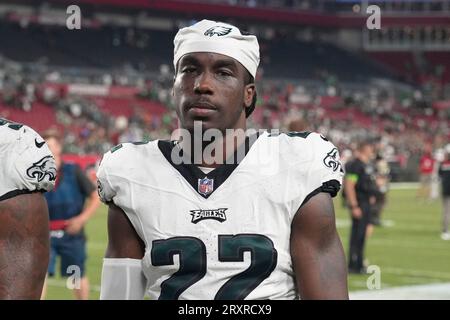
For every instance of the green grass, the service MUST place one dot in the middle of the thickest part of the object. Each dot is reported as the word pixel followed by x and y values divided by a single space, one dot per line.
pixel 409 252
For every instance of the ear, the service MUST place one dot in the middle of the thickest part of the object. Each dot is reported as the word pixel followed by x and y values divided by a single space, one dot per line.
pixel 249 92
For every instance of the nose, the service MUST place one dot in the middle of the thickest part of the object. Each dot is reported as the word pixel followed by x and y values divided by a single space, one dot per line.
pixel 203 84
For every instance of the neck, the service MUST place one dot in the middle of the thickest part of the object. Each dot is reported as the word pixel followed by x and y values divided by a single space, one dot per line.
pixel 215 149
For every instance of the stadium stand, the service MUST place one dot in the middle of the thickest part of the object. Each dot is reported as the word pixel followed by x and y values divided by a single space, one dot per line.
pixel 110 82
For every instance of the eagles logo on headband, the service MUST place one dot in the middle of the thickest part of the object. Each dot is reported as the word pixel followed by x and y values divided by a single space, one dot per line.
pixel 218 37
pixel 217 30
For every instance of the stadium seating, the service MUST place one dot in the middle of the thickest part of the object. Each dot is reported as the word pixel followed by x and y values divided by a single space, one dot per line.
pixel 40 117
pixel 114 48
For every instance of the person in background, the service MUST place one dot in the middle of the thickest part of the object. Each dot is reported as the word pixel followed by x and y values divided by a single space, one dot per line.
pixel 426 170
pixel 359 188
pixel 382 172
pixel 444 174
pixel 68 216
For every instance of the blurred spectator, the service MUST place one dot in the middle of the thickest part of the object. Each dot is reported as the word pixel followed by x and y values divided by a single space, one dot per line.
pixel 359 188
pixel 444 173
pixel 68 216
pixel 382 172
pixel 426 170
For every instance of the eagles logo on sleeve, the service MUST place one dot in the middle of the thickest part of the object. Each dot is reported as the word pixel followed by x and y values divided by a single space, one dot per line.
pixel 332 160
pixel 43 168
pixel 27 163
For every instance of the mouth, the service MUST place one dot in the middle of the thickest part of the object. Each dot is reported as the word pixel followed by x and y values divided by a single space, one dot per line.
pixel 201 109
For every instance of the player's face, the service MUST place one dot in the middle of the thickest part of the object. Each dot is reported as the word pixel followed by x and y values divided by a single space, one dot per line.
pixel 211 88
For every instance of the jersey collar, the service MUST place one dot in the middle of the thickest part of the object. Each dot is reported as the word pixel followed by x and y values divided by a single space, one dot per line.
pixel 205 184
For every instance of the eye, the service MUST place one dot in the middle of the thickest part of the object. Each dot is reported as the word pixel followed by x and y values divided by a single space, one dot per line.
pixel 188 69
pixel 224 73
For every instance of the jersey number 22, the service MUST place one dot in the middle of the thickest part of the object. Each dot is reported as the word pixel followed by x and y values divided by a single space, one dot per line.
pixel 192 255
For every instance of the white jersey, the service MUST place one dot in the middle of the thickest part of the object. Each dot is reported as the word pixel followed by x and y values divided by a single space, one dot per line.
pixel 26 163
pixel 223 234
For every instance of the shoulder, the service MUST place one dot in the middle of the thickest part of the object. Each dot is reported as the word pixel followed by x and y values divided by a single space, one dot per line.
pixel 13 133
pixel 301 139
pixel 350 164
pixel 309 146
pixel 316 157
pixel 125 155
pixel 122 162
pixel 27 163
pixel 73 168
pixel 354 166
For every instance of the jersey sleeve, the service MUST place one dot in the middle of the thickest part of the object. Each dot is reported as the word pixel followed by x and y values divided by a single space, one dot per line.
pixel 325 171
pixel 113 176
pixel 105 188
pixel 351 172
pixel 27 163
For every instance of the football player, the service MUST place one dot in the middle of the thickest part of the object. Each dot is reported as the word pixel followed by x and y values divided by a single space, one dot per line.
pixel 27 169
pixel 260 227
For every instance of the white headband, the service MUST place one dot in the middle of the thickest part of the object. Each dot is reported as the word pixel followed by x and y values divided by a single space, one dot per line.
pixel 217 37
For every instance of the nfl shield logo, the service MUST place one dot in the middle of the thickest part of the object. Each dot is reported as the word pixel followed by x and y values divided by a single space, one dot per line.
pixel 205 186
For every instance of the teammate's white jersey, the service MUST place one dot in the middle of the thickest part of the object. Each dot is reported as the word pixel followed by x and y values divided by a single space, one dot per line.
pixel 26 163
pixel 224 234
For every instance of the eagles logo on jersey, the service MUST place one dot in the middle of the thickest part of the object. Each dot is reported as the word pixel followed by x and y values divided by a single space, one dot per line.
pixel 233 242
pixel 217 214
pixel 42 169
pixel 332 160
pixel 27 163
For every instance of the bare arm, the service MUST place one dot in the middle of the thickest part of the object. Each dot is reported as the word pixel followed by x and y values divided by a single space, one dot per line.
pixel 317 253
pixel 350 193
pixel 24 246
pixel 123 241
pixel 75 224
pixel 122 275
pixel 92 206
